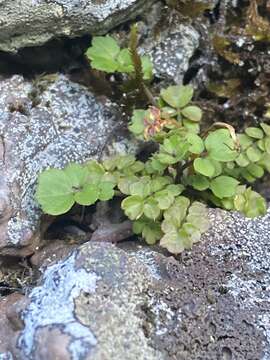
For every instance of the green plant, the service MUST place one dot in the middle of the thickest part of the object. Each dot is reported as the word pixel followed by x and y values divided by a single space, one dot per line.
pixel 106 55
pixel 166 195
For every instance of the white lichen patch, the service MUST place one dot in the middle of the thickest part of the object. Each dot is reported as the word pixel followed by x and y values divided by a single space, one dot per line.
pixel 147 257
pixel 52 304
pixel 172 52
pixel 164 316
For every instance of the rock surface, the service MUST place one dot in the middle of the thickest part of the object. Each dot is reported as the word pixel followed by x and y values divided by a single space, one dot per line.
pixel 102 302
pixel 172 49
pixel 34 22
pixel 47 123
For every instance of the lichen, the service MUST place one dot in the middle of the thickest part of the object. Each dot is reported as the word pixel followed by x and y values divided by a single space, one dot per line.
pixel 52 304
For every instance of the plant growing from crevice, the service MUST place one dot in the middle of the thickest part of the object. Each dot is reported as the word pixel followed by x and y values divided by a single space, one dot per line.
pixel 166 196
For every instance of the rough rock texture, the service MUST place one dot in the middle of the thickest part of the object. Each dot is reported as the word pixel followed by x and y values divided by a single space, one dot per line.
pixel 103 302
pixel 34 22
pixel 48 123
pixel 80 309
pixel 172 52
pixel 170 44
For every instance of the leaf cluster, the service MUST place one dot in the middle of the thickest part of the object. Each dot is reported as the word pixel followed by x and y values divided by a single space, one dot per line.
pixel 166 195
pixel 106 55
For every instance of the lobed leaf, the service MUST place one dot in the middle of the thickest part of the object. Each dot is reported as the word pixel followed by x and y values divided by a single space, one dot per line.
pixel 177 96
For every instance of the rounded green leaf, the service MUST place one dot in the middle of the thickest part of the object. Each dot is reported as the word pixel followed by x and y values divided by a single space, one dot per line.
pixel 196 144
pixel 95 171
pixel 141 187
pixel 106 190
pixel 88 195
pixel 255 204
pixel 261 144
pixel 55 192
pixel 245 141
pixel 173 242
pixel 191 126
pixel 247 176
pixel 152 232
pixel 125 161
pixel 224 186
pixel 166 159
pixel 177 211
pixel 253 154
pixel 133 207
pixel 137 226
pixel 204 167
pixel 267 144
pixel 239 202
pixel 199 182
pixel 198 216
pixel 227 203
pixel 159 182
pixel 254 132
pixel 77 175
pixel 265 161
pixel 192 231
pixel 151 209
pixel 157 166
pixel 220 146
pixel 255 170
pixel 193 113
pixel 242 160
pixel 125 182
pixel 175 189
pixel 136 125
pixel 266 128
pixel 168 226
pixel 138 166
pixel 218 167
pixel 177 96
pixel 164 199
pixel 103 53
pixel 124 62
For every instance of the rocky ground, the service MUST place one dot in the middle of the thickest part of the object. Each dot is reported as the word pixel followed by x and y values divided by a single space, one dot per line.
pixel 64 296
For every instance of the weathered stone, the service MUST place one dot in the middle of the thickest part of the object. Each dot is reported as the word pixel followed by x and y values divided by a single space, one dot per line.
pixel 34 22
pixel 47 123
pixel 103 302
pixel 7 329
pixel 171 47
pixel 83 303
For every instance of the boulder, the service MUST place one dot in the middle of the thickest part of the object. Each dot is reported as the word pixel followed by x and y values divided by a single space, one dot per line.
pixel 27 23
pixel 172 49
pixel 49 122
pixel 169 40
pixel 135 302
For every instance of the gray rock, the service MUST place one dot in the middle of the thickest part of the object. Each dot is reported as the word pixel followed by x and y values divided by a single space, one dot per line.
pixel 103 302
pixel 48 123
pixel 79 310
pixel 172 48
pixel 34 22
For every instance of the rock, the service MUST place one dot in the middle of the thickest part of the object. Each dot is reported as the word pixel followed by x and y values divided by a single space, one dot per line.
pixel 109 224
pixel 96 277
pixel 32 23
pixel 51 253
pixel 103 302
pixel 171 47
pixel 45 123
pixel 9 325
